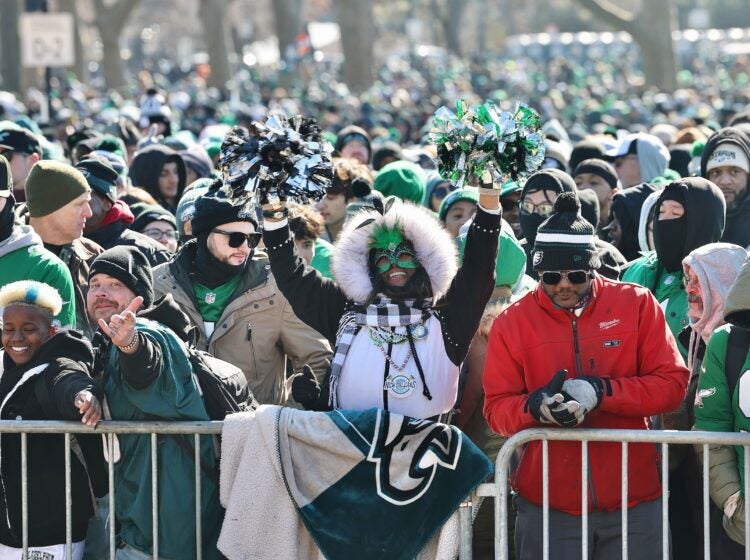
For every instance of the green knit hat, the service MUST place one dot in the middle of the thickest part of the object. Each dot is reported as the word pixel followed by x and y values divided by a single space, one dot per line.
pixel 510 264
pixel 468 195
pixel 51 185
pixel 403 179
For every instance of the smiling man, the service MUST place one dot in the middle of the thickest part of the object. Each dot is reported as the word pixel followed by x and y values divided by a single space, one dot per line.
pixel 581 348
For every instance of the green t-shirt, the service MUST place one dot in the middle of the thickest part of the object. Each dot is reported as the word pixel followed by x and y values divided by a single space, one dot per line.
pixel 212 302
pixel 322 259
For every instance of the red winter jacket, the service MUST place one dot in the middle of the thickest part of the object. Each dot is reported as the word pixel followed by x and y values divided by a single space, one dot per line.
pixel 621 336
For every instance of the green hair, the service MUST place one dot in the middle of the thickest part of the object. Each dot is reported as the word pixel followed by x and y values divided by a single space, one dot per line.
pixel 385 237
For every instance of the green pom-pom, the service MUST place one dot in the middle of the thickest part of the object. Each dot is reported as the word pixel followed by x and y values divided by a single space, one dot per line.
pixel 486 143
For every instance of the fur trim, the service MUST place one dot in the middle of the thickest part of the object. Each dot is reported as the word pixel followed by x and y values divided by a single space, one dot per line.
pixel 436 250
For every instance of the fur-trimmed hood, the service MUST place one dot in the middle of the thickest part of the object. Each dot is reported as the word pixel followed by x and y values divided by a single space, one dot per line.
pixel 435 248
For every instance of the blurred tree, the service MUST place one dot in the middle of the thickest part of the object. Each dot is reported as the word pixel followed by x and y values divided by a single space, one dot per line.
pixel 79 68
pixel 213 17
pixel 288 22
pixel 450 13
pixel 10 61
pixel 110 21
pixel 651 26
pixel 355 18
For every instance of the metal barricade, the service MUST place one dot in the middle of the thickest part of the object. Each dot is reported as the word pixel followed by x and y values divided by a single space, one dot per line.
pixel 499 489
pixel 110 429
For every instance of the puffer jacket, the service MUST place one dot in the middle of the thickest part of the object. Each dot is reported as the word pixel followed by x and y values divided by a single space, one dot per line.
pixel 257 330
pixel 620 336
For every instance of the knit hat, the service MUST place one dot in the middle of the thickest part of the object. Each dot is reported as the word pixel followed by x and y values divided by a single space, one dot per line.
pixel 350 133
pixel 388 150
pixel 585 149
pixel 598 167
pixel 117 162
pixel 589 206
pixel 147 213
pixel 468 195
pixel 15 138
pixel 549 180
pixel 565 240
pixel 51 185
pixel 196 158
pixel 186 207
pixel 100 175
pixel 728 154
pixel 6 179
pixel 212 211
pixel 402 179
pixel 129 266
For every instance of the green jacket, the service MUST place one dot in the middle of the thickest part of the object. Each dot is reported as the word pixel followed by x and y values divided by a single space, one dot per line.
pixel 23 257
pixel 173 396
pixel 668 289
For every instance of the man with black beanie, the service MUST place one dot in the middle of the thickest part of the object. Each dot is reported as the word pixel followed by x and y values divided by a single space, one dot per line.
pixel 23 256
pixel 146 373
pixel 226 287
pixel 600 177
pixel 581 348
pixel 110 218
pixel 537 200
pixel 688 214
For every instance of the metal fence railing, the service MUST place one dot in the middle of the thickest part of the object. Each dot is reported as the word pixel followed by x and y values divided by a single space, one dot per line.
pixel 499 490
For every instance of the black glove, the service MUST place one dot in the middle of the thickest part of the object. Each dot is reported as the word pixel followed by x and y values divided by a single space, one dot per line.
pixel 588 390
pixel 550 405
pixel 305 387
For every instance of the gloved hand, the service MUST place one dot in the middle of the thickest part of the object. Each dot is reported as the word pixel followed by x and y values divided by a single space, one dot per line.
pixel 305 387
pixel 550 405
pixel 587 390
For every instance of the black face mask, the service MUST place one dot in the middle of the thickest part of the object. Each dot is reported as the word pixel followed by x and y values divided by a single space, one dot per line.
pixel 529 224
pixel 7 218
pixel 669 242
pixel 210 271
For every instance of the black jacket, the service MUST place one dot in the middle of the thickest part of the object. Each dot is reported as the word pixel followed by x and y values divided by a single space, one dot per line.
pixel 62 366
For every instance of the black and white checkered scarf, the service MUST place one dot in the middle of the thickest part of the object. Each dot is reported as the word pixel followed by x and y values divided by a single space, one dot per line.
pixel 383 312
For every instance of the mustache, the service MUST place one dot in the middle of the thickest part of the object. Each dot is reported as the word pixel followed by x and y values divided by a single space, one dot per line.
pixel 693 298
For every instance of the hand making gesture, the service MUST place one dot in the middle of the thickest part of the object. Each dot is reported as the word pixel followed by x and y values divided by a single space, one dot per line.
pixel 121 327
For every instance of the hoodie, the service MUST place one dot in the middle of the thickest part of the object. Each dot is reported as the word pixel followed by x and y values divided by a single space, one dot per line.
pixel 23 257
pixel 737 229
pixel 704 222
pixel 146 168
pixel 626 207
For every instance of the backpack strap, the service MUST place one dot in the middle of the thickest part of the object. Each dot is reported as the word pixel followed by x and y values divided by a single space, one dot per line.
pixel 737 348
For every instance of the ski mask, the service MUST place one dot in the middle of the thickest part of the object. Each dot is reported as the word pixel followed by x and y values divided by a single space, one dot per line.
pixel 670 235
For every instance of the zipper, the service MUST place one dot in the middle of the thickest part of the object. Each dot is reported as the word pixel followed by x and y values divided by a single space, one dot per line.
pixel 579 373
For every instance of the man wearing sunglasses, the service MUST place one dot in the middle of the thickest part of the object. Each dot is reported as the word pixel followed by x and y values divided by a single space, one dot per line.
pixel 582 350
pixel 226 287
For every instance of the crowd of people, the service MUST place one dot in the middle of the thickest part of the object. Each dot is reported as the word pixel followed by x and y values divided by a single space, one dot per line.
pixel 607 290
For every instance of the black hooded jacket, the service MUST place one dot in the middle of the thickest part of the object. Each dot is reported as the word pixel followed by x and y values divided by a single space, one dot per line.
pixel 69 359
pixel 737 228
pixel 146 168
pixel 705 211
pixel 626 207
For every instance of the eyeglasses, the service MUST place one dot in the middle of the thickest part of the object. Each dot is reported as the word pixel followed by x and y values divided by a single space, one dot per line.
pixel 543 208
pixel 443 190
pixel 237 238
pixel 574 276
pixel 158 235
pixel 402 259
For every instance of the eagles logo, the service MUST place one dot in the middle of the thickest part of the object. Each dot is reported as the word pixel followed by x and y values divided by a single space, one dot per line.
pixel 429 445
pixel 538 255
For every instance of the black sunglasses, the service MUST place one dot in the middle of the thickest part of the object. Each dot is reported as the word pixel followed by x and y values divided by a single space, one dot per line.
pixel 573 276
pixel 237 238
pixel 443 190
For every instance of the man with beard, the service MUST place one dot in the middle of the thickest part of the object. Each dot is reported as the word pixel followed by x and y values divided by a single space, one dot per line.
pixel 581 348
pixel 726 162
pixel 401 315
pixel 227 289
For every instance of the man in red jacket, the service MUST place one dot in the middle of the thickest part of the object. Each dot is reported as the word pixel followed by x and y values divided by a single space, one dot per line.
pixel 582 350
